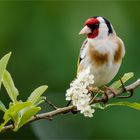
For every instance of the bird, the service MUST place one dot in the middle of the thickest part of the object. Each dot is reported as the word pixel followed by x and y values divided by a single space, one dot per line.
pixel 102 51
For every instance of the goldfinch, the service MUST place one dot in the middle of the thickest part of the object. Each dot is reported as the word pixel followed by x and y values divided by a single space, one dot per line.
pixel 102 51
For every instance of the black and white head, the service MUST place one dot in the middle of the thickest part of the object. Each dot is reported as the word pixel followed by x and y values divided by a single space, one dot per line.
pixel 97 28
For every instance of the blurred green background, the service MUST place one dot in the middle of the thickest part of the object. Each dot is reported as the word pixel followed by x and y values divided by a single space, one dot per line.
pixel 43 37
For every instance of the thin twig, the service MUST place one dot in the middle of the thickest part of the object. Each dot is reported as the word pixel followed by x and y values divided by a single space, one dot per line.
pixel 51 104
pixel 64 110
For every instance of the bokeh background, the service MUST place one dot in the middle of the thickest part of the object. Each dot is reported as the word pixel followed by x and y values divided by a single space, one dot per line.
pixel 43 37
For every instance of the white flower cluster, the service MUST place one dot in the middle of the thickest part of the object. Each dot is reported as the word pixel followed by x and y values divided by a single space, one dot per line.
pixel 78 93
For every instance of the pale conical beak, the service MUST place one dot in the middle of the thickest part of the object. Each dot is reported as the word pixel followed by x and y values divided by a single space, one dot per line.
pixel 85 30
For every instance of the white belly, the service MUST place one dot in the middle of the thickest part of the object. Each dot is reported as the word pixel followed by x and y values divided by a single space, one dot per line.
pixel 105 73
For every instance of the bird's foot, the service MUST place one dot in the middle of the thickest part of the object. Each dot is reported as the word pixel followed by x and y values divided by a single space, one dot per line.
pixel 110 90
pixel 106 90
pixel 93 90
pixel 124 90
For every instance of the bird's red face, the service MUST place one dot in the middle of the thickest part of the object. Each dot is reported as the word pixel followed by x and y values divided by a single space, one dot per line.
pixel 91 28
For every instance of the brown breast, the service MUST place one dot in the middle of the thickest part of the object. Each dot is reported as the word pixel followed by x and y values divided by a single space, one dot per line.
pixel 118 52
pixel 97 57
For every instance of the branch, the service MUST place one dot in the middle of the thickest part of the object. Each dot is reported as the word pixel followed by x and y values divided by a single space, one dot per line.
pixel 64 110
pixel 131 87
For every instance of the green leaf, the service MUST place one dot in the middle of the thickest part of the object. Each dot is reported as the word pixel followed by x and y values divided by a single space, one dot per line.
pixel 128 104
pixel 13 113
pixel 3 63
pixel 40 100
pixel 10 87
pixel 35 95
pixel 7 119
pixel 16 108
pixel 26 114
pixel 125 78
pixel 2 106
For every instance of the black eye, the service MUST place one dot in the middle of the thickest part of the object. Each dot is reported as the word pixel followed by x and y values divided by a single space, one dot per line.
pixel 94 26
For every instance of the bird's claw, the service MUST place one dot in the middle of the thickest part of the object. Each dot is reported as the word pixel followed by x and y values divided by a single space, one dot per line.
pixel 93 90
pixel 111 90
pixel 106 95
pixel 124 90
pixel 131 92
pixel 99 91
